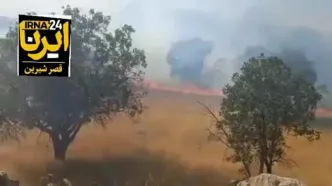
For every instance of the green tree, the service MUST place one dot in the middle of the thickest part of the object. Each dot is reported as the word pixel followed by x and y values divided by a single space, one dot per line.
pixel 106 78
pixel 10 125
pixel 265 102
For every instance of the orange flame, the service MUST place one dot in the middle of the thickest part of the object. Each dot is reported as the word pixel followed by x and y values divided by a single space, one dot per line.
pixel 192 89
pixel 185 89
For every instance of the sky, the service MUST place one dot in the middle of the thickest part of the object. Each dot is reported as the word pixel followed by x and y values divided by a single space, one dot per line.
pixel 233 25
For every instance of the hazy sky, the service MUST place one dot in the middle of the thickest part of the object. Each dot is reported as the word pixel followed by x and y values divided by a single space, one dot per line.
pixel 159 23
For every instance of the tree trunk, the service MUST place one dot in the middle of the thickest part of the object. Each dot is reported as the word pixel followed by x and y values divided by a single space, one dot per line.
pixel 62 138
pixel 268 167
pixel 247 171
pixel 261 164
pixel 60 146
pixel 262 144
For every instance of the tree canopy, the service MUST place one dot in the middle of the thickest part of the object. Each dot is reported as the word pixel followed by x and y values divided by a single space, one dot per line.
pixel 107 72
pixel 265 101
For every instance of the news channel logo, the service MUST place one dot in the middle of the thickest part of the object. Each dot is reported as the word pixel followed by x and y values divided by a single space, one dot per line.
pixel 44 47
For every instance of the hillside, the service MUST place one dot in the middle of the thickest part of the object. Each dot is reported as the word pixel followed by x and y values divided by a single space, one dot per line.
pixel 169 144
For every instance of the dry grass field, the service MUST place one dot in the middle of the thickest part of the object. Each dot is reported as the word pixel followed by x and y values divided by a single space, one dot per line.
pixel 168 148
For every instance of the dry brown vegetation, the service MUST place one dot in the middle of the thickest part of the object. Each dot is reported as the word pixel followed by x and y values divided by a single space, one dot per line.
pixel 174 151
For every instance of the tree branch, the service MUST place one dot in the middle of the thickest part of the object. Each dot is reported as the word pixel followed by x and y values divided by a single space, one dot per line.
pixel 223 131
pixel 210 113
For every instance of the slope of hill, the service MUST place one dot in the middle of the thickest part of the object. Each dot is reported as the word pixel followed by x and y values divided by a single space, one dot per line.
pixel 173 150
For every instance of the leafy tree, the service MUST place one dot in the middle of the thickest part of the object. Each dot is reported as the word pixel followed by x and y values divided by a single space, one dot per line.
pixel 265 102
pixel 106 80
pixel 10 126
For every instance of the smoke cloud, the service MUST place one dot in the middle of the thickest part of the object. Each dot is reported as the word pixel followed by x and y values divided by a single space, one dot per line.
pixel 295 59
pixel 233 26
pixel 187 60
pixel 298 31
pixel 305 50
pixel 188 63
